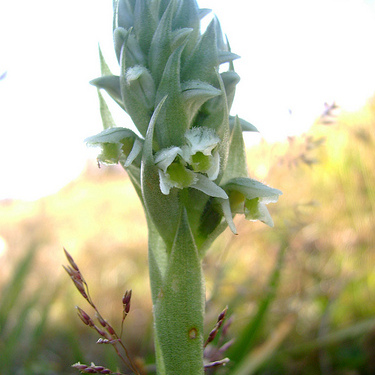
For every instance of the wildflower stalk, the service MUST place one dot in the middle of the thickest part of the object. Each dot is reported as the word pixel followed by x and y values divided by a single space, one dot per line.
pixel 107 332
pixel 187 161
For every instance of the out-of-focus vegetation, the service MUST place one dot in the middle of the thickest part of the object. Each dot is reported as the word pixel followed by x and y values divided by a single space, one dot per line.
pixel 301 296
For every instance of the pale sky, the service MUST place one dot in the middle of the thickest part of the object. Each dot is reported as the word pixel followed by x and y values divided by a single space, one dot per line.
pixel 295 55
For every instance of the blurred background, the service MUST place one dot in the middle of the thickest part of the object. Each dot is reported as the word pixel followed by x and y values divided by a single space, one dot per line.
pixel 301 296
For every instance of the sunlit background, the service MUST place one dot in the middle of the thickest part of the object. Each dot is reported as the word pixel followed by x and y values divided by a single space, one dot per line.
pixel 299 59
pixel 296 56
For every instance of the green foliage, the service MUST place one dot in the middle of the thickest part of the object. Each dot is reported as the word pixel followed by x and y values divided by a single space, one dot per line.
pixel 20 341
pixel 244 344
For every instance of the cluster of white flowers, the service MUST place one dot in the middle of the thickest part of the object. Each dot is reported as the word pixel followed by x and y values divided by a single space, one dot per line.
pixel 196 164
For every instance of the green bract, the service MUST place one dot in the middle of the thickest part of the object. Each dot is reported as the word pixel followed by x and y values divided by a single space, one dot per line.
pixel 187 161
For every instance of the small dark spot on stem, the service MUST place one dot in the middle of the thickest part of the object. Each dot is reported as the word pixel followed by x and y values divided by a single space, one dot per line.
pixel 193 333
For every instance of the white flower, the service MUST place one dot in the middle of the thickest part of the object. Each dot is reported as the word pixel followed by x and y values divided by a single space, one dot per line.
pixel 165 157
pixel 191 165
pixel 202 140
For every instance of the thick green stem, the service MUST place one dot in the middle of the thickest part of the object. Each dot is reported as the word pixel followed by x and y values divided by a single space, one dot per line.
pixel 177 287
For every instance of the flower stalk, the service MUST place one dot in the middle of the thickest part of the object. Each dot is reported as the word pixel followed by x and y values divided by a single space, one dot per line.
pixel 186 160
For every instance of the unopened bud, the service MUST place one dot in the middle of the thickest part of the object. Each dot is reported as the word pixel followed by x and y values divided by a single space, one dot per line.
pixel 127 297
pixel 71 260
pixel 80 287
pixel 142 85
pixel 102 321
pixel 84 317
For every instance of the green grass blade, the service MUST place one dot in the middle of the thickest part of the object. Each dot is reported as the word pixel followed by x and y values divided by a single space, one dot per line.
pixel 258 357
pixel 10 352
pixel 12 292
pixel 356 330
pixel 246 341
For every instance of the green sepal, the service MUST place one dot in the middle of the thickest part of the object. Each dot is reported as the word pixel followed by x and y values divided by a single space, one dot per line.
pixel 218 119
pixel 136 104
pixel 160 48
pixel 172 121
pixel 179 36
pixel 221 46
pixel 144 24
pixel 195 94
pixel 245 126
pixel 163 5
pixel 131 53
pixel 251 188
pixel 104 69
pixel 227 213
pixel 111 84
pixel 179 309
pixel 187 16
pixel 142 85
pixel 230 80
pixel 119 37
pixel 105 113
pixel 226 57
pixel 202 12
pixel 237 163
pixel 162 209
pixel 203 61
pixel 124 14
pixel 113 135
pixel 205 185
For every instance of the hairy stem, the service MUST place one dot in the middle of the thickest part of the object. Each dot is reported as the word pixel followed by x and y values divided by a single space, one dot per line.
pixel 177 286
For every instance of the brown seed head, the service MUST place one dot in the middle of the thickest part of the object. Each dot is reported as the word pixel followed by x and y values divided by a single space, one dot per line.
pixel 127 297
pixel 84 317
pixel 100 331
pixel 222 315
pixel 110 329
pixel 80 286
pixel 102 321
pixel 71 260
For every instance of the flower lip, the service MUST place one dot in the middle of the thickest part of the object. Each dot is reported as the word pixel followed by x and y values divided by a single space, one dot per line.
pixel 165 157
pixel 191 165
pixel 201 140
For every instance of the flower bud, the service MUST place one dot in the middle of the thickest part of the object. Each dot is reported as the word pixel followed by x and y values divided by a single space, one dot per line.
pixel 141 83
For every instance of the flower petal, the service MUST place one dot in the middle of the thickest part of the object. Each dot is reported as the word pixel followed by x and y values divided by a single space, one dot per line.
pixel 214 169
pixel 165 157
pixel 208 187
pixel 256 210
pixel 251 188
pixel 202 139
pixel 176 176
pixel 225 206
